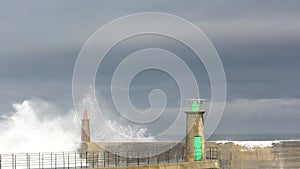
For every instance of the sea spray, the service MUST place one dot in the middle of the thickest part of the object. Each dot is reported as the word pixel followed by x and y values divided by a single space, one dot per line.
pixel 38 126
pixel 250 144
pixel 108 126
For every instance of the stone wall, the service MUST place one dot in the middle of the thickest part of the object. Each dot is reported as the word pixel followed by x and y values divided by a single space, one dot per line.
pixel 279 155
pixel 285 154
pixel 185 165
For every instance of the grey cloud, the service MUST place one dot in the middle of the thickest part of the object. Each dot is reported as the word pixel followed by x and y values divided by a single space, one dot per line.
pixel 258 43
pixel 261 116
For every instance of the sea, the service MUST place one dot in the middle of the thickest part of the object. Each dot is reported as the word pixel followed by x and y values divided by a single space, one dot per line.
pixel 255 137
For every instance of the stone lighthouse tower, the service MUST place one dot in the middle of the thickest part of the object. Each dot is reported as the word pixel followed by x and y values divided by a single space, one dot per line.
pixel 85 128
pixel 195 145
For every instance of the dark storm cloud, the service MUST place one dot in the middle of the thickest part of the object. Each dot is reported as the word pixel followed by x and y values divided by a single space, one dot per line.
pixel 261 116
pixel 258 43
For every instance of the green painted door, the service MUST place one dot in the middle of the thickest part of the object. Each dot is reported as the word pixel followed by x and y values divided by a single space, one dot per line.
pixel 197 148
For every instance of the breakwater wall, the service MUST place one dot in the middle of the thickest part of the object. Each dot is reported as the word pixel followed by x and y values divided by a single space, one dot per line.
pixel 183 165
pixel 233 155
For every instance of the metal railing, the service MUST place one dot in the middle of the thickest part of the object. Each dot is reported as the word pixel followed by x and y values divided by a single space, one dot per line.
pixel 72 160
pixel 212 153
pixel 82 160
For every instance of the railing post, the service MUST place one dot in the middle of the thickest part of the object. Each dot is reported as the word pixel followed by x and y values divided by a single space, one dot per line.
pixel 86 160
pixel 104 158
pixel 12 160
pixel 116 159
pixel 98 155
pixel 42 161
pixel 15 161
pixel 93 162
pixel 75 160
pixel 182 153
pixel 63 154
pixel 81 156
pixel 107 158
pixel 28 161
pixel 39 160
pixel 51 159
pixel 127 158
pixel 138 159
pixel 176 154
pixel 99 159
pixel 68 161
pixel 55 161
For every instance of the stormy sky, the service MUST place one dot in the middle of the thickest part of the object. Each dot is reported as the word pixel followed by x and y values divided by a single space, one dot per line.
pixel 257 41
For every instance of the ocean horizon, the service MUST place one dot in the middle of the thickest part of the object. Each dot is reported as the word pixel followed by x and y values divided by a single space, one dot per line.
pixel 243 137
pixel 255 137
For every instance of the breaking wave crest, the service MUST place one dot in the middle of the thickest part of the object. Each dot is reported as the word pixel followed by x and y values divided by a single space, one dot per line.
pixel 36 125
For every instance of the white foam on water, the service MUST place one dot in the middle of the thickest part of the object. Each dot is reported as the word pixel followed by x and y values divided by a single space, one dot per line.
pixel 250 144
pixel 38 126
pixel 112 129
pixel 129 133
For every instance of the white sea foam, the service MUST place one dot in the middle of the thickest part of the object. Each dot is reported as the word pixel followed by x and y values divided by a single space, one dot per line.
pixel 127 133
pixel 112 128
pixel 250 144
pixel 36 125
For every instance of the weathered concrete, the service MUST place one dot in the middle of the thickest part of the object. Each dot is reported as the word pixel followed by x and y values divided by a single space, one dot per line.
pixel 280 155
pixel 185 165
pixel 194 127
pixel 143 149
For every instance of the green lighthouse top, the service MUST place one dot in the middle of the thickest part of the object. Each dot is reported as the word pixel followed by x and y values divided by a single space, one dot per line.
pixel 195 107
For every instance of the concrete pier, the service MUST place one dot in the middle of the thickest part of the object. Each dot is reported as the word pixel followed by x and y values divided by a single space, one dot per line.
pixel 186 165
